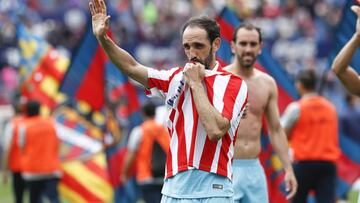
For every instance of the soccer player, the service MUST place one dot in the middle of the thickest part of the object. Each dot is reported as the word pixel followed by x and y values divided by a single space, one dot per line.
pixel 249 177
pixel 205 106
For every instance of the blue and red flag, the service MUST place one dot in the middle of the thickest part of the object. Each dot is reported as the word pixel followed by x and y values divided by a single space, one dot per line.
pixel 228 22
pixel 85 78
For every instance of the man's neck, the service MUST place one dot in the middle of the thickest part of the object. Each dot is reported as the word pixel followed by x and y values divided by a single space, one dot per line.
pixel 308 94
pixel 242 71
pixel 214 65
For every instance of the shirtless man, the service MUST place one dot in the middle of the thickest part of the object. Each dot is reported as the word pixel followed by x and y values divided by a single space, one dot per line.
pixel 249 177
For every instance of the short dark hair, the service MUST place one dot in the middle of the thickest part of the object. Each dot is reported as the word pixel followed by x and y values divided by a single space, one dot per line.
pixel 249 27
pixel 33 108
pixel 211 27
pixel 308 79
pixel 148 109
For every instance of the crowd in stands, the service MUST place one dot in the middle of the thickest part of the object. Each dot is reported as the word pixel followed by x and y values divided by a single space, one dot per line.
pixel 299 34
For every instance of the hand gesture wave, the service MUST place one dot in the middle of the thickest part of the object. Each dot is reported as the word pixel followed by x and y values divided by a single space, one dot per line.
pixel 100 20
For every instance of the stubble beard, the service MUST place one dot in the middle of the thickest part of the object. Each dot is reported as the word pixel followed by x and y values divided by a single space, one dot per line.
pixel 244 64
pixel 207 61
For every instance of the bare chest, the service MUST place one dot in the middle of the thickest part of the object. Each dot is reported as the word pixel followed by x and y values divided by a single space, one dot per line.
pixel 258 96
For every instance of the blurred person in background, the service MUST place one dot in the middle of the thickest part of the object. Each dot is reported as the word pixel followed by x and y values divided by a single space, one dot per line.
pixel 147 148
pixel 12 153
pixel 39 145
pixel 350 116
pixel 205 106
pixel 312 128
pixel 347 75
pixel 249 177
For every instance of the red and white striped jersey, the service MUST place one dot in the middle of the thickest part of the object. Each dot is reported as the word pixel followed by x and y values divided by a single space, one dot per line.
pixel 190 147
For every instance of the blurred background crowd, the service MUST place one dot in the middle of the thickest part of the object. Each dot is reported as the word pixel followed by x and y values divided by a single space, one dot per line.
pixel 298 33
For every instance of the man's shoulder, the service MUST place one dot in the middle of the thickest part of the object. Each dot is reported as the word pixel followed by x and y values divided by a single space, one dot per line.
pixel 264 76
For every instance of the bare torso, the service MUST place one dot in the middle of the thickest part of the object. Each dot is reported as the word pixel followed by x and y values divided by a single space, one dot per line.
pixel 247 145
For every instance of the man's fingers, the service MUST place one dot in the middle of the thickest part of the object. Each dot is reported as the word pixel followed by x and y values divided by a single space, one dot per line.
pixel 287 186
pixel 98 6
pixel 291 194
pixel 107 20
pixel 292 190
pixel 92 9
pixel 103 6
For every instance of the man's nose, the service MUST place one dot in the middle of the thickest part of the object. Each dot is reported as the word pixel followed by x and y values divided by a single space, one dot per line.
pixel 248 48
pixel 192 53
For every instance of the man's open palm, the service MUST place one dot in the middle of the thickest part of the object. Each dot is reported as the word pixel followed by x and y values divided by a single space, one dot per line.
pixel 100 20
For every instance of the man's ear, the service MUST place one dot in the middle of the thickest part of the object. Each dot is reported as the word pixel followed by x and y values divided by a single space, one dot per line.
pixel 232 44
pixel 261 47
pixel 216 44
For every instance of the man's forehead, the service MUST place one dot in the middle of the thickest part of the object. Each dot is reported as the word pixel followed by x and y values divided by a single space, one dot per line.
pixel 194 34
pixel 246 34
pixel 194 30
pixel 244 31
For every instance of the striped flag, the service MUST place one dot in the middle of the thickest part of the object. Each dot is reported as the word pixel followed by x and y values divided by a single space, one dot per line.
pixel 41 69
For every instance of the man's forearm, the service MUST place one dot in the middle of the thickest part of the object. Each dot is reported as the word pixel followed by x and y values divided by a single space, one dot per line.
pixel 343 59
pixel 123 60
pixel 280 145
pixel 214 123
pixel 346 74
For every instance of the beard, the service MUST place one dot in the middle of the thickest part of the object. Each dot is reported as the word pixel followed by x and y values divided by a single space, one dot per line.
pixel 246 63
pixel 206 62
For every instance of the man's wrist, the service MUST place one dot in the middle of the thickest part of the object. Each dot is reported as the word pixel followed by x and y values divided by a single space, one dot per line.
pixel 102 38
pixel 195 85
pixel 289 169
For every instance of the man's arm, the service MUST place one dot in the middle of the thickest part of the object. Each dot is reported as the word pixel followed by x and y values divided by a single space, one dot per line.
pixel 133 146
pixel 128 163
pixel 290 117
pixel 214 123
pixel 8 136
pixel 122 59
pixel 340 66
pixel 278 139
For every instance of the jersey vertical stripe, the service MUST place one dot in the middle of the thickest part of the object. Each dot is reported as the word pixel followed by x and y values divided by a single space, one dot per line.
pixel 189 123
pixel 174 153
pixel 180 132
pixel 208 152
pixel 194 132
pixel 240 102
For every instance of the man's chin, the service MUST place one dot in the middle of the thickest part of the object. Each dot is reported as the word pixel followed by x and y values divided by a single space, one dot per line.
pixel 248 65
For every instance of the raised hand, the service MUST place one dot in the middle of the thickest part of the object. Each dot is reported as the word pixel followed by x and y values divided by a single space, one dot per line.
pixel 356 10
pixel 100 20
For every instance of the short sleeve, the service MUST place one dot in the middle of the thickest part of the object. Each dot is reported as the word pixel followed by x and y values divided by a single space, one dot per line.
pixel 291 115
pixel 159 82
pixel 239 105
pixel 135 138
